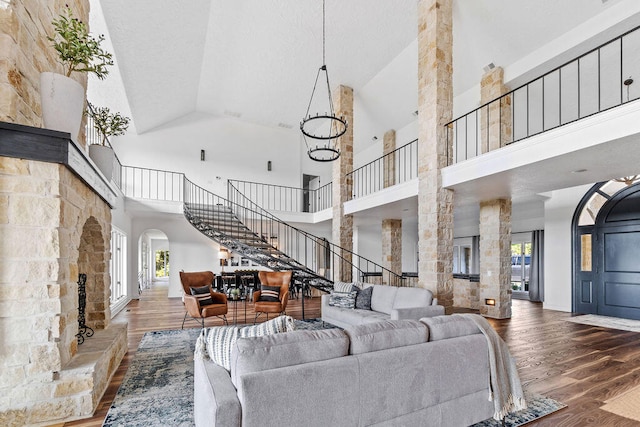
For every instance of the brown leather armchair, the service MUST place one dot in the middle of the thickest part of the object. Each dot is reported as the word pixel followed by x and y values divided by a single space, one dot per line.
pixel 272 278
pixel 202 305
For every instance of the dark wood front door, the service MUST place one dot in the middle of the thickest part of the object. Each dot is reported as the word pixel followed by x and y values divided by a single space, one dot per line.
pixel 618 256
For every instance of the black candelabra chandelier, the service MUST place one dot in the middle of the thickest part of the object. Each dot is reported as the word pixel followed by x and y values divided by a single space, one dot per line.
pixel 324 128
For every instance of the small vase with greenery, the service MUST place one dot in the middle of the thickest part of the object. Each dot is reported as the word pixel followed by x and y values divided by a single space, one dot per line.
pixel 106 123
pixel 77 48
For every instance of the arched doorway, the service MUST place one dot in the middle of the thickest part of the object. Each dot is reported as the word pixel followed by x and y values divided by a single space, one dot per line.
pixel 606 240
pixel 92 261
pixel 153 258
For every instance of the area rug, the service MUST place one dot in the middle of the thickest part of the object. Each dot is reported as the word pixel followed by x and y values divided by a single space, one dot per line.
pixel 537 407
pixel 607 322
pixel 158 386
pixel 626 405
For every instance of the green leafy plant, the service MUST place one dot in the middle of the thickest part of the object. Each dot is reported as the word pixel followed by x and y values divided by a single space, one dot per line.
pixel 78 50
pixel 107 123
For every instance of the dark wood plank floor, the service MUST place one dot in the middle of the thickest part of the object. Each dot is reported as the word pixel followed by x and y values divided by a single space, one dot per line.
pixel 579 365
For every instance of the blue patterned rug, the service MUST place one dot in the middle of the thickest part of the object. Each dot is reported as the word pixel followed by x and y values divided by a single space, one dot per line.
pixel 157 389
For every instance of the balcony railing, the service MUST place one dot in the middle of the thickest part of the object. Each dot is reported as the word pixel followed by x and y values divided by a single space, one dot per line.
pixel 396 167
pixel 594 82
pixel 281 198
pixel 152 184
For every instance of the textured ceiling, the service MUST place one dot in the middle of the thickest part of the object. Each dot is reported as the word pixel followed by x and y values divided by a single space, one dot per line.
pixel 257 59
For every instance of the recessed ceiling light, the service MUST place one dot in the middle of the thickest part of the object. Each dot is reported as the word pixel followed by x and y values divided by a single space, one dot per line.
pixel 579 171
pixel 375 138
pixel 284 125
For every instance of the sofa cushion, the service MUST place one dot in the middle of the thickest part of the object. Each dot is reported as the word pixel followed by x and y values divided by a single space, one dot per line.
pixel 352 317
pixel 363 297
pixel 219 340
pixel 382 298
pixel 386 334
pixel 342 287
pixel 342 299
pixel 412 297
pixel 276 351
pixel 445 327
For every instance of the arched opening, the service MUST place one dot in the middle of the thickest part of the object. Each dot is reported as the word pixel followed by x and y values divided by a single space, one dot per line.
pixel 92 261
pixel 606 236
pixel 154 259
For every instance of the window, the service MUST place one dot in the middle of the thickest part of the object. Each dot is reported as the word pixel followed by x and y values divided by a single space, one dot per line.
pixel 118 267
pixel 520 266
pixel 461 259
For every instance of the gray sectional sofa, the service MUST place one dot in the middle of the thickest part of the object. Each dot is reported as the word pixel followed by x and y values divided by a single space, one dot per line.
pixel 386 373
pixel 387 303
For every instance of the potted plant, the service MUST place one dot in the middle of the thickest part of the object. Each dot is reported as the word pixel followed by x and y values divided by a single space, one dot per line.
pixel 62 98
pixel 106 124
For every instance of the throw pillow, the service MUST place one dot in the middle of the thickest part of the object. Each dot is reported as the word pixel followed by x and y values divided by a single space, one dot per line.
pixel 219 340
pixel 202 294
pixel 363 298
pixel 342 287
pixel 342 299
pixel 269 293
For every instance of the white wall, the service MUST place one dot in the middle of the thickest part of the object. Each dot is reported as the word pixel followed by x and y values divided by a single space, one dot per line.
pixel 558 214
pixel 189 249
pixel 233 150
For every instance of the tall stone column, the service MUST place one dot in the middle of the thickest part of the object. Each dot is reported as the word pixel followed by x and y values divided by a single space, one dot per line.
pixel 495 256
pixel 495 215
pixel 495 119
pixel 389 166
pixel 435 101
pixel 342 233
pixel 392 246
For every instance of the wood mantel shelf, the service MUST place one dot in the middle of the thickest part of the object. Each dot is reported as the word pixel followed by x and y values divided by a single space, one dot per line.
pixel 45 145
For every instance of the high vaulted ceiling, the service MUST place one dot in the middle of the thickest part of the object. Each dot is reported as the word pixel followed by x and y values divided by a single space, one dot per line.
pixel 257 59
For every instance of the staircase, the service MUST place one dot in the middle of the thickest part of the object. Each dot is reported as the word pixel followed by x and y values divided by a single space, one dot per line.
pixel 247 229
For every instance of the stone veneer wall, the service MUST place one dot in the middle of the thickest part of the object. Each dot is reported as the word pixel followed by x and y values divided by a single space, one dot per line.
pixel 25 52
pixel 342 225
pixel 500 121
pixel 466 294
pixel 388 150
pixel 51 223
pixel 435 109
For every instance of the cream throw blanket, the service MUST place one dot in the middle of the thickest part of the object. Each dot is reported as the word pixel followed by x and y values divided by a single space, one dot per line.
pixel 506 390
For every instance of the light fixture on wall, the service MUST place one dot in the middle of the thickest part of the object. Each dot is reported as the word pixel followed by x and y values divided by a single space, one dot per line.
pixel 269 165
pixel 324 128
pixel 628 82
pixel 223 256
pixel 490 301
pixel 202 155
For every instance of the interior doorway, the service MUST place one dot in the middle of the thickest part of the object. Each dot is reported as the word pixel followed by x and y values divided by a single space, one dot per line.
pixel 310 183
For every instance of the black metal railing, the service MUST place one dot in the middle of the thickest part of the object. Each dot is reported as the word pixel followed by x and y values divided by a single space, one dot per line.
pixel 594 82
pixel 313 252
pixel 396 167
pixel 282 198
pixel 151 184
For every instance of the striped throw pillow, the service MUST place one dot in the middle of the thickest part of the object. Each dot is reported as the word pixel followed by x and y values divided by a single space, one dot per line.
pixel 269 293
pixel 342 287
pixel 219 340
pixel 202 294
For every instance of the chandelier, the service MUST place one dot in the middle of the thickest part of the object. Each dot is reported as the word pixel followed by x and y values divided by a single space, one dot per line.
pixel 322 128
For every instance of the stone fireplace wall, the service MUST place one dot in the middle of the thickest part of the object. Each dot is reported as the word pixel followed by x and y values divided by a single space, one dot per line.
pixel 25 52
pixel 51 225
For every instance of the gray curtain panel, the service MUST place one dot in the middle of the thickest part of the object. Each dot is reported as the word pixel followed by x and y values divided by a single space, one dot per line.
pixel 536 279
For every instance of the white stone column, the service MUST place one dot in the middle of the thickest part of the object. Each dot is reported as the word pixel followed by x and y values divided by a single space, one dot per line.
pixel 342 232
pixel 435 103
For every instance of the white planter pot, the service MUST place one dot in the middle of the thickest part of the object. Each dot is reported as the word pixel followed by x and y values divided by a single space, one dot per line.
pixel 104 158
pixel 62 101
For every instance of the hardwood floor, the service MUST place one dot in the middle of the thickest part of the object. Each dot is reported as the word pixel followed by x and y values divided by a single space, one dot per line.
pixel 579 365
